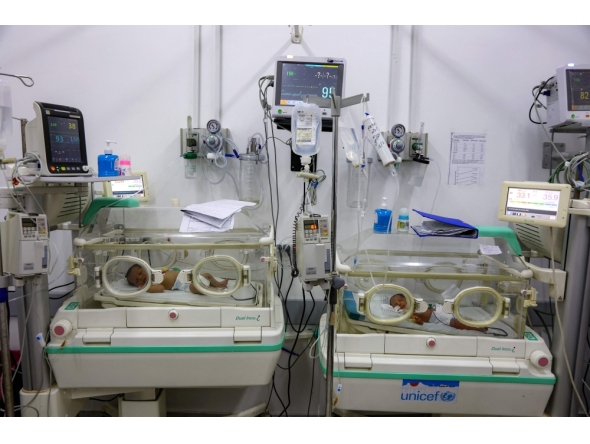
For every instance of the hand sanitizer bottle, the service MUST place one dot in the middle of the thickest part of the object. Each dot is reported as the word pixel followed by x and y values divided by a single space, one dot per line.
pixel 108 163
pixel 382 218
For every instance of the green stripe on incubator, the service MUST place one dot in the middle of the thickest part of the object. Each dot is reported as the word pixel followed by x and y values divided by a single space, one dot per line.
pixel 440 376
pixel 96 349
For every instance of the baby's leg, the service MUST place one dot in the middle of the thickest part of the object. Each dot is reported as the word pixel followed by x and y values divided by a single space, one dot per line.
pixel 194 290
pixel 214 282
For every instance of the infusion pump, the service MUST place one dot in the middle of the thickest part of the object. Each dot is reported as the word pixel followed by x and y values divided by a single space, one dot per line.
pixel 314 255
pixel 25 244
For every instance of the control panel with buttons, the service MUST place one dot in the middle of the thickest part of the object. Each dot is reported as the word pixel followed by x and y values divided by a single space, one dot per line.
pixel 25 244
pixel 314 247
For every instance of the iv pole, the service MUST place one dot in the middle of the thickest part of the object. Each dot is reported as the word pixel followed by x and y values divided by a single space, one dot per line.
pixel 337 103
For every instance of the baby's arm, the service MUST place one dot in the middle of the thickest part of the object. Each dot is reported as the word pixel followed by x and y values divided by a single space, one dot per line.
pixel 156 288
pixel 421 318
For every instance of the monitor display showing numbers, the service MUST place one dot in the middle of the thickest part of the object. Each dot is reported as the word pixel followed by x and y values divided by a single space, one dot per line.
pixel 129 187
pixel 314 79
pixel 64 140
pixel 532 203
pixel 578 82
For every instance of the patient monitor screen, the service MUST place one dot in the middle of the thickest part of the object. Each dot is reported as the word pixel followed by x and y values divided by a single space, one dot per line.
pixel 64 140
pixel 129 187
pixel 578 86
pixel 301 79
pixel 532 203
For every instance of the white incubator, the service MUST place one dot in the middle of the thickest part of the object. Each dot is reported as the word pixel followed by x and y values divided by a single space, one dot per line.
pixel 438 325
pixel 158 308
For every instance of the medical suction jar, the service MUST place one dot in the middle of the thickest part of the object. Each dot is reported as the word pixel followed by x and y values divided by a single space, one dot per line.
pixel 5 114
pixel 250 171
pixel 358 184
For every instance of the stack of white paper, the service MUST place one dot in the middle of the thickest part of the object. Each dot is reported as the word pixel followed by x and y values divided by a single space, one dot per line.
pixel 216 216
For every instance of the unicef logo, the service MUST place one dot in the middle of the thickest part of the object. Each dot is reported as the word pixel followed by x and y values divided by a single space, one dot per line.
pixel 447 396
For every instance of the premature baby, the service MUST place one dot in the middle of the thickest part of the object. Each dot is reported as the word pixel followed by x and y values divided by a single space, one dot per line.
pixel 137 277
pixel 433 315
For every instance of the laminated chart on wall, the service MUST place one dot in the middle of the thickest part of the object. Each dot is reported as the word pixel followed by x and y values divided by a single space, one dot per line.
pixel 467 159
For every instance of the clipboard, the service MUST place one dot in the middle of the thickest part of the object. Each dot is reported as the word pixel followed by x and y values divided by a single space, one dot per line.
pixel 445 227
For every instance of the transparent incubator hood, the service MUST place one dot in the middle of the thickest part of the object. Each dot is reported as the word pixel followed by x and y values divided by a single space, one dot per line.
pixel 404 283
pixel 138 256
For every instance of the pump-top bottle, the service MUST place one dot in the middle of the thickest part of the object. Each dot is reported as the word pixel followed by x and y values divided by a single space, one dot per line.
pixel 108 163
pixel 382 222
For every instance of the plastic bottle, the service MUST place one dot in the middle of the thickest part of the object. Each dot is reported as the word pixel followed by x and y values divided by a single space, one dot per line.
pixel 250 177
pixel 382 218
pixel 403 221
pixel 125 165
pixel 108 163
pixel 373 134
pixel 190 165
pixel 5 115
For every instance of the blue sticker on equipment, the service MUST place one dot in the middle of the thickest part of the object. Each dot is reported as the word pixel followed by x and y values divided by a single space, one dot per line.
pixel 417 390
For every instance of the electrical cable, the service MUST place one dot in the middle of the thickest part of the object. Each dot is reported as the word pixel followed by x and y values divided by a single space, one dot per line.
pixel 586 376
pixel 60 286
pixel 539 89
pixel 538 313
pixel 311 389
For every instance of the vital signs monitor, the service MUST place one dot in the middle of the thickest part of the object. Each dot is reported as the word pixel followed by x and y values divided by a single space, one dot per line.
pixel 56 136
pixel 535 203
pixel 568 102
pixel 298 77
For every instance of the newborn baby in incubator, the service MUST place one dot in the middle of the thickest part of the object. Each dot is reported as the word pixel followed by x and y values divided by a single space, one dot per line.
pixel 137 277
pixel 433 315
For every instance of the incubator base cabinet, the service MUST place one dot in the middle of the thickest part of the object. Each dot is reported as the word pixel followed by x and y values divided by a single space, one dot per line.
pixel 437 325
pixel 159 308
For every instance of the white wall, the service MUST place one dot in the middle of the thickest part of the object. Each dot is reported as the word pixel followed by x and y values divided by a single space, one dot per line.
pixel 136 85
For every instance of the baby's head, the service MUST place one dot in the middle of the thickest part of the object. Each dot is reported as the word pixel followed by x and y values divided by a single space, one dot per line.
pixel 136 276
pixel 398 300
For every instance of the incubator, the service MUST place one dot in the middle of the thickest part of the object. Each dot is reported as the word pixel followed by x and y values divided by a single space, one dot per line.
pixel 422 316
pixel 159 308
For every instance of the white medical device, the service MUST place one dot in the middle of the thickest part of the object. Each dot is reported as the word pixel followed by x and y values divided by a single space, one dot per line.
pixel 122 187
pixel 25 241
pixel 56 135
pixel 297 77
pixel 535 203
pixel 313 247
pixel 568 102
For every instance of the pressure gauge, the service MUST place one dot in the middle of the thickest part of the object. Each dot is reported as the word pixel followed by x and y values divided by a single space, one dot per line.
pixel 398 130
pixel 213 141
pixel 397 146
pixel 213 126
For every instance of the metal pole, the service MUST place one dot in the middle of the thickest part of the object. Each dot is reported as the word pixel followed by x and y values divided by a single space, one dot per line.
pixel 577 363
pixel 331 313
pixel 5 348
pixel 576 267
pixel 8 396
pixel 33 318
